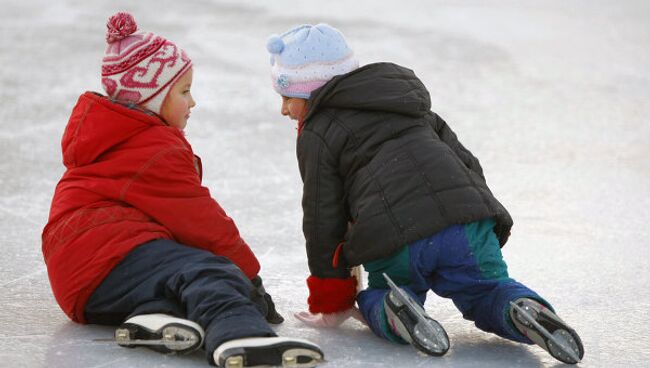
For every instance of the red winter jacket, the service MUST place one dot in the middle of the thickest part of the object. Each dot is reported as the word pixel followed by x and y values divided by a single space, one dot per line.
pixel 130 179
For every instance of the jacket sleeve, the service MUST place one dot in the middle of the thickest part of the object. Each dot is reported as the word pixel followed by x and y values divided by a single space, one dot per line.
pixel 331 288
pixel 449 137
pixel 168 189
pixel 325 217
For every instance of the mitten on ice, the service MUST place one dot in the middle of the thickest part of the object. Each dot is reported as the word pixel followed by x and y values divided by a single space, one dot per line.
pixel 331 295
pixel 329 319
pixel 265 302
pixel 331 302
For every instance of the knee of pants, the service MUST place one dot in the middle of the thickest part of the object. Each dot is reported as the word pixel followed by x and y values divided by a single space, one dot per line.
pixel 369 298
pixel 371 304
pixel 203 265
pixel 210 282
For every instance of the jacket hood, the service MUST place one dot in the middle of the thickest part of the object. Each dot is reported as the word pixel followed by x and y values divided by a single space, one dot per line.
pixel 383 87
pixel 97 124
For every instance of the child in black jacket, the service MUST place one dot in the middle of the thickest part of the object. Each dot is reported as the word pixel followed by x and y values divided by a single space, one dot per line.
pixel 387 185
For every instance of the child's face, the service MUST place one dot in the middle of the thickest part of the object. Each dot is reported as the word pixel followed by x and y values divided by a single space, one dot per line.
pixel 293 107
pixel 176 107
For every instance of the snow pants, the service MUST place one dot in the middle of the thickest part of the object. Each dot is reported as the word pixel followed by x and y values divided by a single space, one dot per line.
pixel 461 262
pixel 163 276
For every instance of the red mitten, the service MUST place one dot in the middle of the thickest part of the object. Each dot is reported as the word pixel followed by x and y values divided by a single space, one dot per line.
pixel 331 295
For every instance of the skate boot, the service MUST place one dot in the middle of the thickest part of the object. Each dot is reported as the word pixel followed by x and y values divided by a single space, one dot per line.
pixel 409 320
pixel 160 332
pixel 547 330
pixel 267 351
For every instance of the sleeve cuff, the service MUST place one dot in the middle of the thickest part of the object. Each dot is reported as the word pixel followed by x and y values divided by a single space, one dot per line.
pixel 331 295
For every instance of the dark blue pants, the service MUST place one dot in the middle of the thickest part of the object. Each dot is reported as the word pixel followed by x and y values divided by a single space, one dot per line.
pixel 163 276
pixel 463 263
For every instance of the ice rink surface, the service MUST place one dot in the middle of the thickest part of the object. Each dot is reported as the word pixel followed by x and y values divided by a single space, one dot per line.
pixel 552 96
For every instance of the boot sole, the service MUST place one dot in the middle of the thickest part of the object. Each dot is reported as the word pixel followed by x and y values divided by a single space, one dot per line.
pixel 431 339
pixel 172 338
pixel 268 351
pixel 556 327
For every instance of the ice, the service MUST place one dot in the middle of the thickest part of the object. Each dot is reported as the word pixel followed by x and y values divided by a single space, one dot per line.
pixel 552 96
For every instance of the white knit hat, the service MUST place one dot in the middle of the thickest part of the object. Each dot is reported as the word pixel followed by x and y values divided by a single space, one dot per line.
pixel 306 57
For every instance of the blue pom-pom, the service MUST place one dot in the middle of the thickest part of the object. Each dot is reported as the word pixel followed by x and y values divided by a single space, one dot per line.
pixel 275 45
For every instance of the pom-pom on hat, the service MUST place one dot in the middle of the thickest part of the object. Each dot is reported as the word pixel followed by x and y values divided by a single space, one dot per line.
pixel 306 57
pixel 140 67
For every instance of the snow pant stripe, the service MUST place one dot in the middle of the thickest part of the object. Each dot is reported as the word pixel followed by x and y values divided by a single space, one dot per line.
pixel 481 299
pixel 486 249
pixel 166 277
pixel 396 266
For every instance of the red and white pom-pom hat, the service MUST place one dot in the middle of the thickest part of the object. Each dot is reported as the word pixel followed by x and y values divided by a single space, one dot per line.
pixel 140 67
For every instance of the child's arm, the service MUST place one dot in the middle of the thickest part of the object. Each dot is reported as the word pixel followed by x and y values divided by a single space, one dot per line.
pixel 168 189
pixel 325 222
pixel 449 137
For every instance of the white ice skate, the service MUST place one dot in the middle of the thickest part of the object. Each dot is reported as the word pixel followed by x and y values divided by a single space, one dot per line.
pixel 412 323
pixel 268 351
pixel 160 332
pixel 547 330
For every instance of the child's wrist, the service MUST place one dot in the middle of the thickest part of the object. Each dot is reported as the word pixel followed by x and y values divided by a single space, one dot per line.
pixel 331 295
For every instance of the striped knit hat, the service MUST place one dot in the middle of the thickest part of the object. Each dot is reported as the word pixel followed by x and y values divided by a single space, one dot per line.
pixel 306 57
pixel 140 67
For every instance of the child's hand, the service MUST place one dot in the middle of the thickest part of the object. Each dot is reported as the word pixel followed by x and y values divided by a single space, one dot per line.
pixel 329 320
pixel 265 302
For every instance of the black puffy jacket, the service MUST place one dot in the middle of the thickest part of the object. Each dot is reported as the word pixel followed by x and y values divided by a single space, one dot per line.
pixel 380 171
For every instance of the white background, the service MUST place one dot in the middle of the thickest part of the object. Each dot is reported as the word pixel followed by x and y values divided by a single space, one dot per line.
pixel 553 97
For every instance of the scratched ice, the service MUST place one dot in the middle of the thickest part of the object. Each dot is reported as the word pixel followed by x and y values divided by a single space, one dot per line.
pixel 552 97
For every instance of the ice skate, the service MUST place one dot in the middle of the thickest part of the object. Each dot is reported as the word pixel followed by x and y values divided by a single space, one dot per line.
pixel 160 332
pixel 410 322
pixel 268 351
pixel 547 330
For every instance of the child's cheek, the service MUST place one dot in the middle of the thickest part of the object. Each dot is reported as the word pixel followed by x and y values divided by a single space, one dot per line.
pixel 181 109
pixel 296 110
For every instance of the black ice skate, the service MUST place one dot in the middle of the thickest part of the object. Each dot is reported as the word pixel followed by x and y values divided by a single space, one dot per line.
pixel 547 330
pixel 412 323
pixel 268 351
pixel 160 332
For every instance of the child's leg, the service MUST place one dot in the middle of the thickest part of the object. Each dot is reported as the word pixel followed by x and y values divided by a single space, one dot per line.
pixel 165 277
pixel 371 300
pixel 471 271
pixel 371 305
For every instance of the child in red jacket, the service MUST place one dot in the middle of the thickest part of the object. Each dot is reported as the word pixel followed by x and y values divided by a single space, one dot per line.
pixel 134 240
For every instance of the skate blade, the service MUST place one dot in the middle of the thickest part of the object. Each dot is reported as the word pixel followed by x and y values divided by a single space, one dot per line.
pixel 432 337
pixel 173 338
pixel 135 343
pixel 292 358
pixel 558 342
